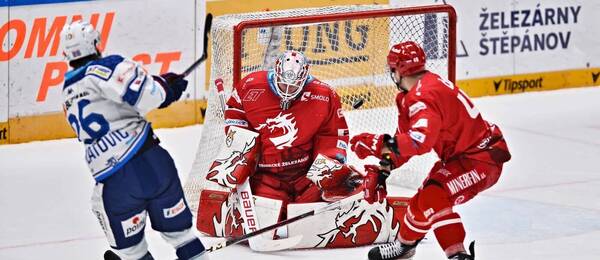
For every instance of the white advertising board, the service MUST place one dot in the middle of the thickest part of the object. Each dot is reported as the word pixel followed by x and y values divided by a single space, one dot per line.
pixel 3 73
pixel 526 36
pixel 158 33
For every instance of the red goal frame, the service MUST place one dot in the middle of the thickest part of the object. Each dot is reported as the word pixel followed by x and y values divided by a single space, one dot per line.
pixel 237 35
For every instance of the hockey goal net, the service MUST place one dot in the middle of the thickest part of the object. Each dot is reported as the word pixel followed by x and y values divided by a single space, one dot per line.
pixel 347 47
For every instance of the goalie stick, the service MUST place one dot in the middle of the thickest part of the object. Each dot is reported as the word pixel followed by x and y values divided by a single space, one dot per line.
pixel 335 205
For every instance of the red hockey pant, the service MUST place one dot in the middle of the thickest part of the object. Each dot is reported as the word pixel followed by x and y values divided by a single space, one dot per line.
pixel 447 185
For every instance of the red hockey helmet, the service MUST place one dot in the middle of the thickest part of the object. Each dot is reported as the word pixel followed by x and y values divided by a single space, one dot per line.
pixel 407 58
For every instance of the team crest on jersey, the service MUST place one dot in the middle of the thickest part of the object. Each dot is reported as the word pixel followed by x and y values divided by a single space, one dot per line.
pixel 284 123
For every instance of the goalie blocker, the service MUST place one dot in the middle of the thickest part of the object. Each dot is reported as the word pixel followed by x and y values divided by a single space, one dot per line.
pixel 354 224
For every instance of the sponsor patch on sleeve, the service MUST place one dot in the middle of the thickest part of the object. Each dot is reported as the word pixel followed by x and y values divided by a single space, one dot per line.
pixel 415 108
pixel 343 132
pixel 138 81
pixel 422 122
pixel 236 122
pixel 417 136
pixel 99 71
pixel 342 145
pixel 340 113
pixel 175 210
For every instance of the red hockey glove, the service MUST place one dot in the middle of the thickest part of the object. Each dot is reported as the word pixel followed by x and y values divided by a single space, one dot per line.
pixel 365 144
pixel 374 184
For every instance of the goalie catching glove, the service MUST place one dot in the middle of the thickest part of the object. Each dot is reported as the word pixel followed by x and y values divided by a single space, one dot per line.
pixel 336 180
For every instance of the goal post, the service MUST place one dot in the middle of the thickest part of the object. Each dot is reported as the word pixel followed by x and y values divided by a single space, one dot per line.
pixel 346 47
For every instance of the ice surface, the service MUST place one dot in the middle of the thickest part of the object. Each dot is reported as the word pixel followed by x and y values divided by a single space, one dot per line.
pixel 545 206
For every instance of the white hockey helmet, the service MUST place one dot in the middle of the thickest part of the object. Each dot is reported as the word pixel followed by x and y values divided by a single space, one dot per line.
pixel 291 73
pixel 79 39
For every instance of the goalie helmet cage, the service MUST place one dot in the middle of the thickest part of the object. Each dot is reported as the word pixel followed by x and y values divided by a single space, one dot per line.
pixel 347 48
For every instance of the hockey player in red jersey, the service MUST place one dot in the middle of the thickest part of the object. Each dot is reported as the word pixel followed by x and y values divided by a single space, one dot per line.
pixel 297 117
pixel 435 114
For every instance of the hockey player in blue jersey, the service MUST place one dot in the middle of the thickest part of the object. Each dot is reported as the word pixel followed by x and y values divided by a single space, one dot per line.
pixel 105 100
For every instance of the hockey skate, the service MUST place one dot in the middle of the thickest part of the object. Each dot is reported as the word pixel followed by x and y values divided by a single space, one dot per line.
pixel 393 250
pixel 465 256
pixel 110 255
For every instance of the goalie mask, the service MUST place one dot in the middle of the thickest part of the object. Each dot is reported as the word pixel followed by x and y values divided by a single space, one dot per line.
pixel 79 39
pixel 291 73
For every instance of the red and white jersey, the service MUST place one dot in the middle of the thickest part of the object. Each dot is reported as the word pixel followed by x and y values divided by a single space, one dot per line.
pixel 436 114
pixel 289 139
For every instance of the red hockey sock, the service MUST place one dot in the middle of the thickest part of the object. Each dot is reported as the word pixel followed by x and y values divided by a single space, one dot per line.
pixel 414 225
pixel 450 233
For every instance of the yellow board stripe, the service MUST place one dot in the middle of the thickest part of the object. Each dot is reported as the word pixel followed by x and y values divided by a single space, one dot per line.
pixel 4 133
pixel 542 81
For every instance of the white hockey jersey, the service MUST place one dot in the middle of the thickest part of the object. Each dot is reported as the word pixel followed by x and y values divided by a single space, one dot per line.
pixel 105 102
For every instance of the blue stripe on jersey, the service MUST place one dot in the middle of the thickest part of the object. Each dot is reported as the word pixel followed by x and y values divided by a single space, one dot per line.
pixel 138 142
pixel 110 62
pixel 131 96
pixel 74 75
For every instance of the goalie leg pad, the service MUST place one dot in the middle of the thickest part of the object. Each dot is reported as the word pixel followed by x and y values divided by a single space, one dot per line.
pixel 355 224
pixel 218 215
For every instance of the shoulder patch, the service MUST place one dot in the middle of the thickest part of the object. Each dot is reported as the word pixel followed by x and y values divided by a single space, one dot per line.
pixel 415 108
pixel 99 71
pixel 417 136
pixel 422 122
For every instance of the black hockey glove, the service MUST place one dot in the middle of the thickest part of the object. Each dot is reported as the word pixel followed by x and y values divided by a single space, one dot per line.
pixel 173 84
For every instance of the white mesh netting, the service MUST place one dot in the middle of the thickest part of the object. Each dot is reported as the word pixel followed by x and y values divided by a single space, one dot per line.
pixel 348 52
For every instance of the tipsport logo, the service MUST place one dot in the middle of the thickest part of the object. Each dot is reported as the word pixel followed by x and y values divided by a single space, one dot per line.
pixel 4 133
pixel 523 85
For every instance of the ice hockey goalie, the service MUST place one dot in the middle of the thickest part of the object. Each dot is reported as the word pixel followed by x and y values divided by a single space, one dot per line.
pixel 287 138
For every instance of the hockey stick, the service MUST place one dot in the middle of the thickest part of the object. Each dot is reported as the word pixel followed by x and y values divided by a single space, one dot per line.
pixel 335 205
pixel 207 26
